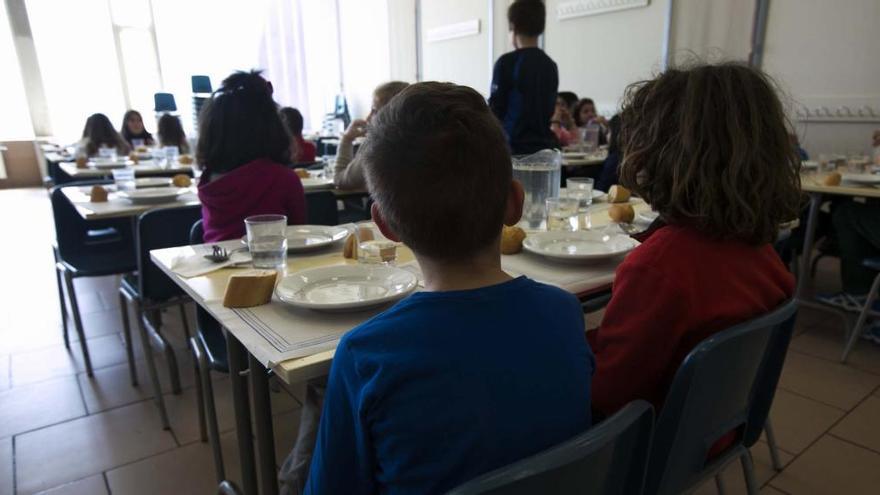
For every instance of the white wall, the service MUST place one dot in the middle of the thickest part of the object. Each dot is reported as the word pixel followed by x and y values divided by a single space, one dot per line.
pixel 464 60
pixel 402 39
pixel 599 55
pixel 366 58
pixel 826 54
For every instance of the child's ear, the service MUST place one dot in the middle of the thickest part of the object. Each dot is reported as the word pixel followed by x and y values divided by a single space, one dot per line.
pixel 380 223
pixel 515 197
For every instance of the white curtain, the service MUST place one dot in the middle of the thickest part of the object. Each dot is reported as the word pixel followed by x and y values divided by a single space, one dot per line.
pixel 282 55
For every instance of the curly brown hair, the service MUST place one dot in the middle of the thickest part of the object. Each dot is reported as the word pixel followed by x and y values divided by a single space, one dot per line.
pixel 707 146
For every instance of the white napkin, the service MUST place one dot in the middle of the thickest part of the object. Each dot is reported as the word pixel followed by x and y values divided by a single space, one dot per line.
pixel 196 265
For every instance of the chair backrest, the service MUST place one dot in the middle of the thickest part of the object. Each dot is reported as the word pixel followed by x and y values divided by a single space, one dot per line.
pixel 164 102
pixel 711 395
pixel 201 84
pixel 157 229
pixel 609 458
pixel 72 230
pixel 197 232
pixel 321 208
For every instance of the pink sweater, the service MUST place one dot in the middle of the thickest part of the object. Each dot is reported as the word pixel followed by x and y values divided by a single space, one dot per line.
pixel 257 188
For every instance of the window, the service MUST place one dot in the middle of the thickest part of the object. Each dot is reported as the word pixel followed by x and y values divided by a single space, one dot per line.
pixel 78 63
pixel 133 27
pixel 16 121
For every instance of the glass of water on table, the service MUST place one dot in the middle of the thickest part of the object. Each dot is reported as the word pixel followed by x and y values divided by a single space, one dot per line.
pixel 562 214
pixel 267 241
pixel 581 189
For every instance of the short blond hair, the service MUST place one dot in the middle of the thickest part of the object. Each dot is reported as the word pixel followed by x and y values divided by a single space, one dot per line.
pixel 384 92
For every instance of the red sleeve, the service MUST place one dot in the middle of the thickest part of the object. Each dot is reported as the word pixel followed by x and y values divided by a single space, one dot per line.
pixel 296 201
pixel 637 339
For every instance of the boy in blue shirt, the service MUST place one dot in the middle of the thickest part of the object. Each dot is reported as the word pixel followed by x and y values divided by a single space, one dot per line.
pixel 478 370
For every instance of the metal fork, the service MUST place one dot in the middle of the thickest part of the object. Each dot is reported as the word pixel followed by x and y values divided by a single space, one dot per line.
pixel 218 254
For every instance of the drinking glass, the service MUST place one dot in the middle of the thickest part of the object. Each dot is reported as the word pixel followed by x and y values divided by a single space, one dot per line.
pixel 124 178
pixel 562 214
pixel 581 189
pixel 540 177
pixel 107 153
pixel 171 154
pixel 267 241
pixel 374 251
pixel 591 137
pixel 329 166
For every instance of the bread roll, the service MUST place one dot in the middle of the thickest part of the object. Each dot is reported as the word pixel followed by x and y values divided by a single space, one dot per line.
pixel 98 194
pixel 134 157
pixel 350 251
pixel 512 239
pixel 185 160
pixel 253 288
pixel 81 162
pixel 181 180
pixel 618 194
pixel 832 179
pixel 621 213
pixel 302 173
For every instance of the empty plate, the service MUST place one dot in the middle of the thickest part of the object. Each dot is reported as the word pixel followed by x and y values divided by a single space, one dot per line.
pixel 308 237
pixel 346 287
pixel 154 195
pixel 152 182
pixel 315 182
pixel 581 245
pixel 864 179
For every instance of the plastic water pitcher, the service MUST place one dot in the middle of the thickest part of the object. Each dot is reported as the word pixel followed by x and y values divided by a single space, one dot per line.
pixel 540 175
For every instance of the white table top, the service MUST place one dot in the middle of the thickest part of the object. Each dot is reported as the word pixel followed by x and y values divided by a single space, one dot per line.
pixel 144 168
pixel 117 207
pixel 311 337
pixel 812 182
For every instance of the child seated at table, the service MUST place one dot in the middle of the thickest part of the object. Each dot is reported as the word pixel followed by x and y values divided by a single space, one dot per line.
pixel 349 173
pixel 133 129
pixel 707 147
pixel 170 132
pixel 301 151
pixel 479 369
pixel 99 133
pixel 243 147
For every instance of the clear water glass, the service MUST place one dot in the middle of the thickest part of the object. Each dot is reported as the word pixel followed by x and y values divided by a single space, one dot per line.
pixel 267 241
pixel 562 214
pixel 374 251
pixel 540 176
pixel 107 153
pixel 591 137
pixel 171 154
pixel 581 189
pixel 329 166
pixel 124 178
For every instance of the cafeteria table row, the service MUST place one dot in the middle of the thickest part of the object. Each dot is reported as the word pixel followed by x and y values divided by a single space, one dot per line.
pixel 311 336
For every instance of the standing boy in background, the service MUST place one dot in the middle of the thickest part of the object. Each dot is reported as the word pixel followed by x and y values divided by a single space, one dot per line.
pixel 524 82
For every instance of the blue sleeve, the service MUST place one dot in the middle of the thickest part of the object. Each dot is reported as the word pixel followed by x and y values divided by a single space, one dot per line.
pixel 343 459
pixel 498 93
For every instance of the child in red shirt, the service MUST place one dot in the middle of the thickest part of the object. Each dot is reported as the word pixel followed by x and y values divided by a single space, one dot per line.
pixel 708 148
pixel 301 151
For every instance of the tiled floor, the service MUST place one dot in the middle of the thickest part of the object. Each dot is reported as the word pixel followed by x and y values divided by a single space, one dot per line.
pixel 64 433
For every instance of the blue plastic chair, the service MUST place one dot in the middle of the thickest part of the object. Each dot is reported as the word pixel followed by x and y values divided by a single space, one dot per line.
pixel 609 459
pixel 321 208
pixel 152 291
pixel 201 84
pixel 86 249
pixel 867 309
pixel 209 353
pixel 164 102
pixel 720 387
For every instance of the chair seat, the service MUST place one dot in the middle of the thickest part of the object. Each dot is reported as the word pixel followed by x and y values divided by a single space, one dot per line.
pixel 213 341
pixel 97 264
pixel 872 263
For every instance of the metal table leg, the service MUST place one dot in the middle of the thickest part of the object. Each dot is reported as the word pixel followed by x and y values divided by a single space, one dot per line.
pixel 263 425
pixel 809 234
pixel 237 364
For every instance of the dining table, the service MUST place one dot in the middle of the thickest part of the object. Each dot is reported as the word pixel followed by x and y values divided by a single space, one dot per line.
pixel 297 344
pixel 145 168
pixel 813 183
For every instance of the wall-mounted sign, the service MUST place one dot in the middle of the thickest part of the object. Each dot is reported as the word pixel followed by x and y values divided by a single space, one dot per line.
pixel 580 8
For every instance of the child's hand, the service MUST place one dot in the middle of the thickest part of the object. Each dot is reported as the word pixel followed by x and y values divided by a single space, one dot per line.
pixel 358 128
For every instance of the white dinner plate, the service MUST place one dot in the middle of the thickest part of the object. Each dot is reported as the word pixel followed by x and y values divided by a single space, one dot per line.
pixel 315 182
pixel 599 195
pixel 152 195
pixel 152 182
pixel 346 287
pixel 864 179
pixel 809 164
pixel 308 237
pixel 108 164
pixel 647 217
pixel 574 155
pixel 581 245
